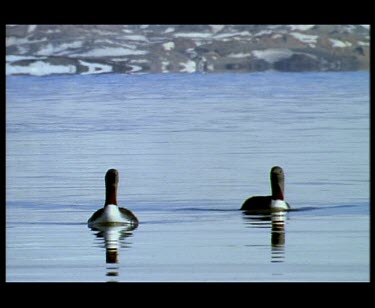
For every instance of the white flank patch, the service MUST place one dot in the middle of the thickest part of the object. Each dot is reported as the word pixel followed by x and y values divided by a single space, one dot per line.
pixel 168 46
pixel 188 67
pixel 279 204
pixel 340 44
pixel 40 68
pixel 111 214
pixel 305 38
pixel 272 55
pixel 96 68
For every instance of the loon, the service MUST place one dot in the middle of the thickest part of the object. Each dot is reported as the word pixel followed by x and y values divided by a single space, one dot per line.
pixel 275 202
pixel 111 214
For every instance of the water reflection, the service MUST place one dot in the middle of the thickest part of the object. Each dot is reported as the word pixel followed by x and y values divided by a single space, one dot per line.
pixel 276 223
pixel 114 239
pixel 278 236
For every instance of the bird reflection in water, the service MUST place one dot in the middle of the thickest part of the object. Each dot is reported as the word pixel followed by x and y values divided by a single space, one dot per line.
pixel 114 238
pixel 274 221
pixel 278 236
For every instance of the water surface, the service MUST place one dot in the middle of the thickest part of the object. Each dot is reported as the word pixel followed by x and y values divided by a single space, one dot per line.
pixel 190 149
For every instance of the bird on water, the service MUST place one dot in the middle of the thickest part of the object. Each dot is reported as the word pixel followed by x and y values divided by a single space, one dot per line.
pixel 276 201
pixel 111 213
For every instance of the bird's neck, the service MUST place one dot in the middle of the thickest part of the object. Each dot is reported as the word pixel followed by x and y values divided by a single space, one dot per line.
pixel 278 191
pixel 111 194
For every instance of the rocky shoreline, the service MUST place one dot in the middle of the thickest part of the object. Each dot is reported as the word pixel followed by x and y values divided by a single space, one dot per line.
pixel 132 49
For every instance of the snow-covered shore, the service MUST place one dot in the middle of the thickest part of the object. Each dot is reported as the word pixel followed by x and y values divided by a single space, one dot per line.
pixel 95 49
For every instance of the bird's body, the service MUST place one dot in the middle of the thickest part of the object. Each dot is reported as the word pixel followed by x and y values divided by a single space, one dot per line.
pixel 111 213
pixel 274 202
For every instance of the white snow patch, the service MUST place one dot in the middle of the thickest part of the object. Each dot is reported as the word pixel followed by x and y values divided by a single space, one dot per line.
pixel 49 49
pixel 340 44
pixel 222 36
pixel 300 27
pixel 169 30
pixel 22 50
pixel 264 32
pixel 191 52
pixel 210 67
pixel 360 43
pixel 350 28
pixel 217 28
pixel 168 46
pixel 96 68
pixel 118 59
pixel 40 68
pixel 46 51
pixel 135 68
pixel 12 40
pixel 243 33
pixel 305 38
pixel 196 35
pixel 139 61
pixel 31 28
pixel 135 37
pixel 273 54
pixel 276 36
pixel 112 52
pixel 188 67
pixel 110 42
pixel 239 55
pixel 53 31
pixel 164 65
pixel 14 58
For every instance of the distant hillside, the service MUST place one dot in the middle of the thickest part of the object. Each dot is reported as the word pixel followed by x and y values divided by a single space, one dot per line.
pixel 94 49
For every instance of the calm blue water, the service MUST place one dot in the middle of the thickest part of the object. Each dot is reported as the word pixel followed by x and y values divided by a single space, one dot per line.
pixel 190 149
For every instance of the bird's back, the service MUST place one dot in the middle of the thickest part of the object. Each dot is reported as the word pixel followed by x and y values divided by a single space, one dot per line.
pixel 257 203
